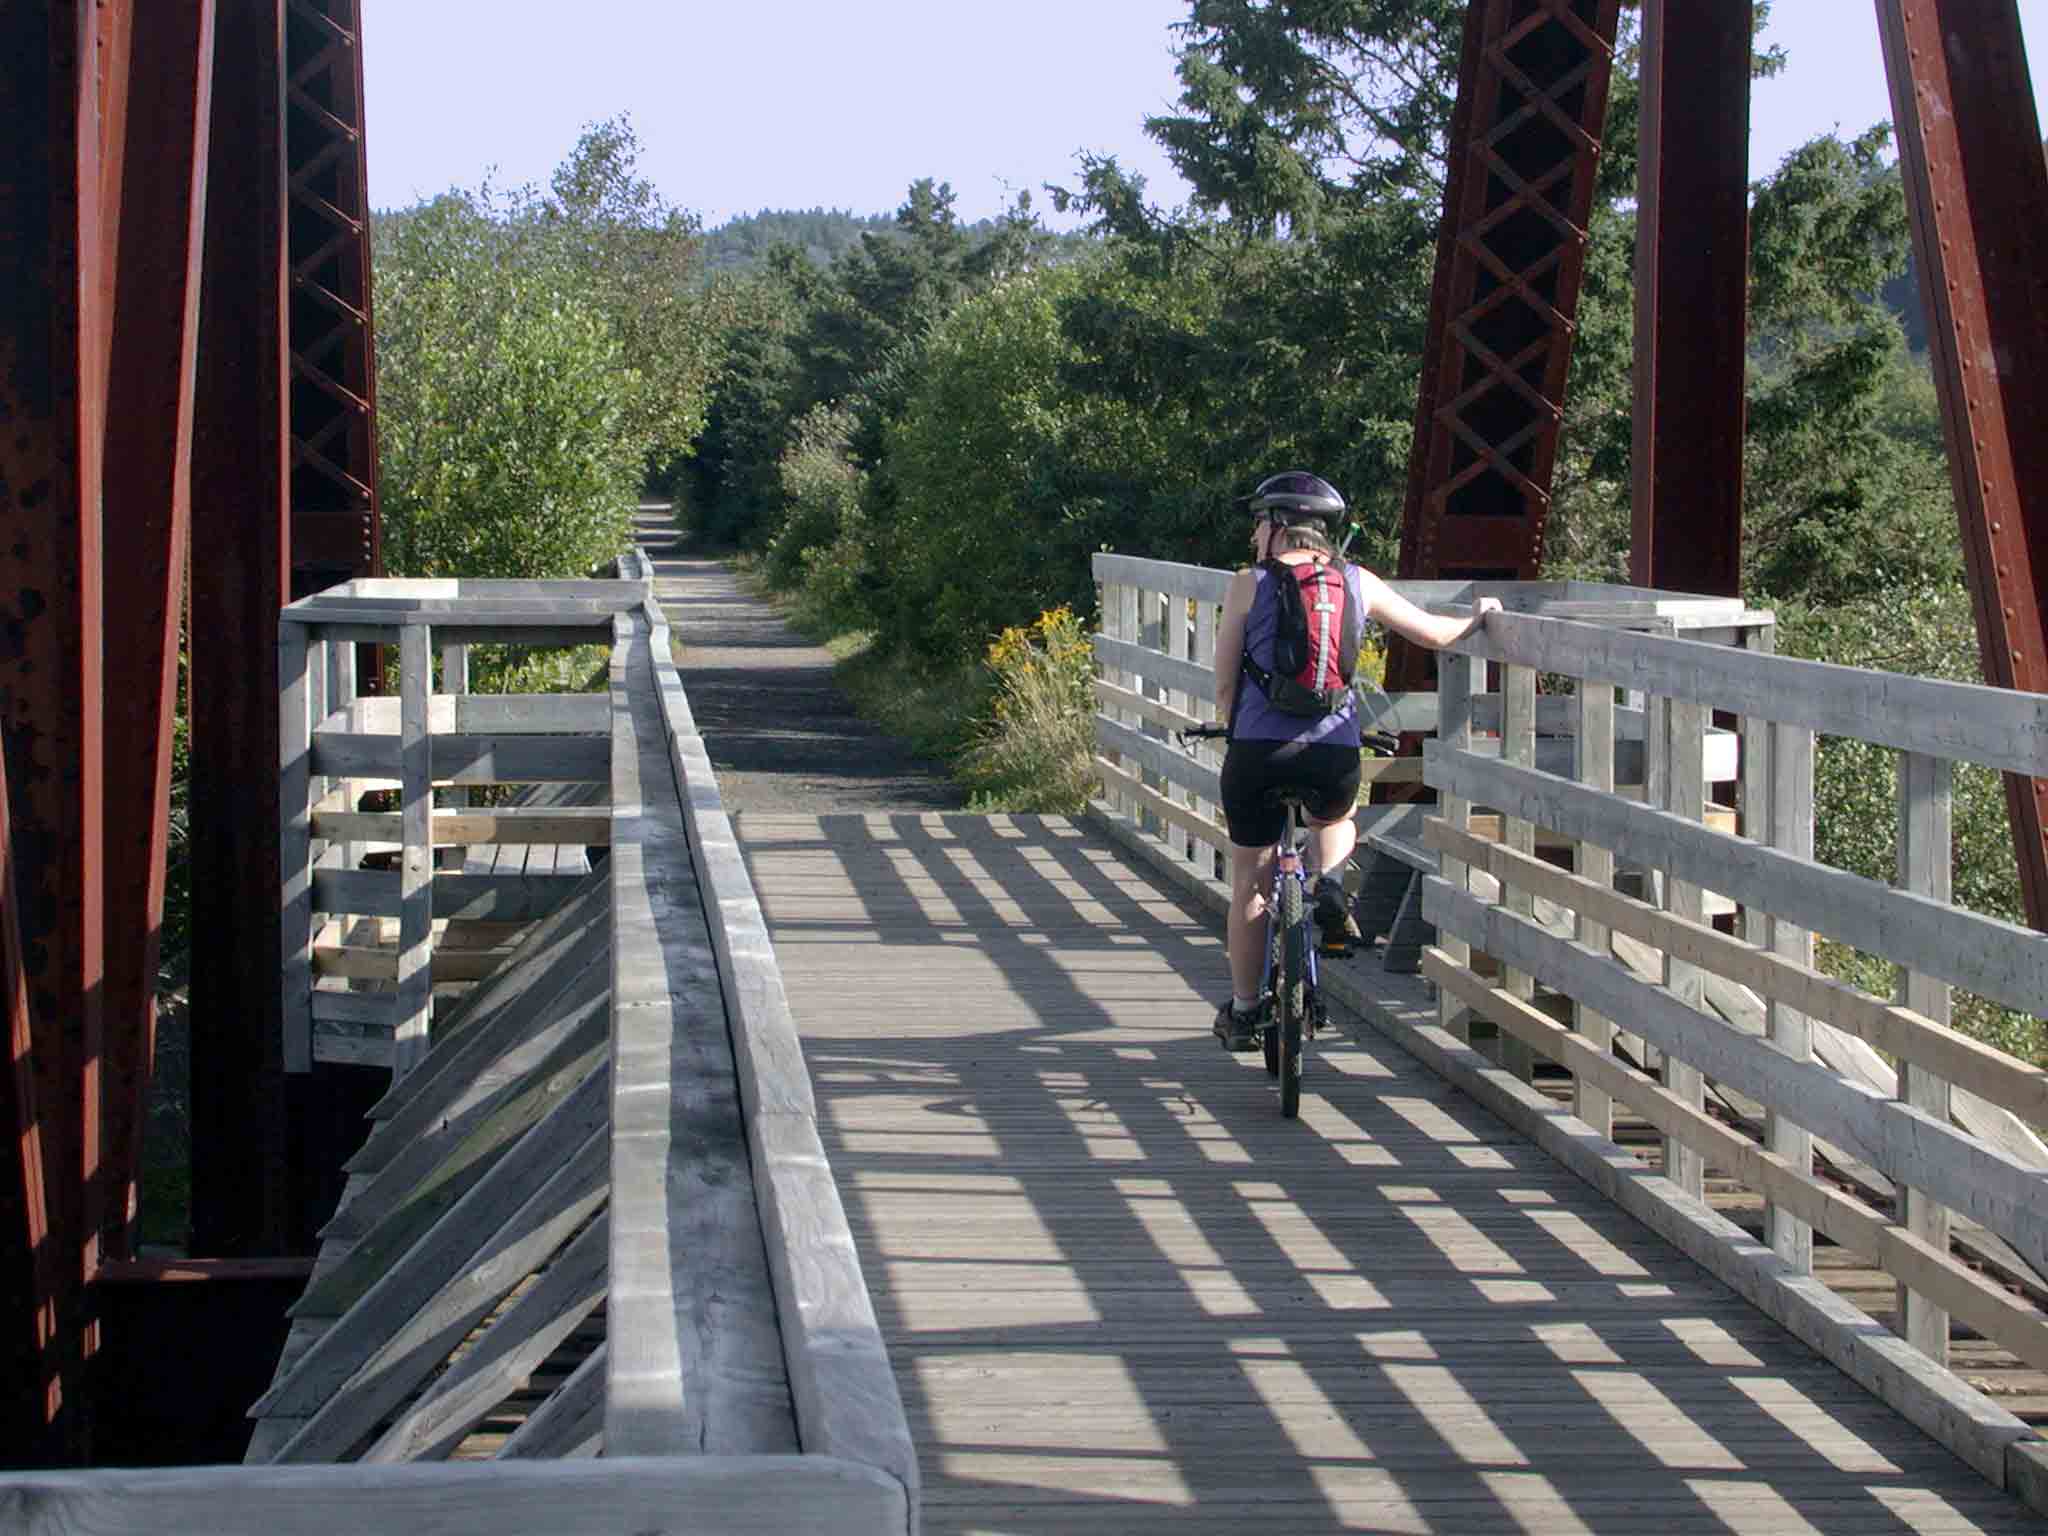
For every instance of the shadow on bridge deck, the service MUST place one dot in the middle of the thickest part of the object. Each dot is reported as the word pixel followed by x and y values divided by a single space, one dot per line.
pixel 1120 1291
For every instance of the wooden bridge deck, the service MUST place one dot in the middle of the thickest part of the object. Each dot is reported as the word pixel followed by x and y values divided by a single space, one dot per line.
pixel 1121 1293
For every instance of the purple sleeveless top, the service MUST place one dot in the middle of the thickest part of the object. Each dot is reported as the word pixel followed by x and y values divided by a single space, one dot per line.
pixel 1256 720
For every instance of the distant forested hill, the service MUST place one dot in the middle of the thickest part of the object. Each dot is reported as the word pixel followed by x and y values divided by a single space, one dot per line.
pixel 820 233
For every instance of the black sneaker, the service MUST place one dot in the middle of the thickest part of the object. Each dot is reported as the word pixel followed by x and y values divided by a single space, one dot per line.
pixel 1237 1031
pixel 1333 914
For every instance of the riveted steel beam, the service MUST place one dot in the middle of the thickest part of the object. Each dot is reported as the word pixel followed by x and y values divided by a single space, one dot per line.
pixel 240 579
pixel 31 1284
pixel 53 347
pixel 1692 277
pixel 148 507
pixel 1977 193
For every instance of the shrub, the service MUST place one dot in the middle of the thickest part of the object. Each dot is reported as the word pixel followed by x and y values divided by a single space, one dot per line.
pixel 821 489
pixel 1036 749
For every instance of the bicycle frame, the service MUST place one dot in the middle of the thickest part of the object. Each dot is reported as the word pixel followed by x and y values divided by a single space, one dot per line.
pixel 1289 863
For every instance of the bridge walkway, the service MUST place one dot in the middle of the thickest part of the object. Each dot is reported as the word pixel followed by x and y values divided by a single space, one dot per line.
pixel 1122 1294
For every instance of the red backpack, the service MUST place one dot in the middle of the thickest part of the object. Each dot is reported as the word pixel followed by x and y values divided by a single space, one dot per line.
pixel 1315 642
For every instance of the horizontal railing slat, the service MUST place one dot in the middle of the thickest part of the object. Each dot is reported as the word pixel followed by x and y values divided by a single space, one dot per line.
pixel 1201 583
pixel 1903 1142
pixel 1970 722
pixel 507 824
pixel 1997 1314
pixel 457 897
pixel 1892 1027
pixel 1160 757
pixel 500 714
pixel 679 1495
pixel 1985 955
pixel 468 759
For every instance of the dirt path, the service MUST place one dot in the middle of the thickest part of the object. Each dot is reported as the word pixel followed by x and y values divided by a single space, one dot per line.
pixel 781 735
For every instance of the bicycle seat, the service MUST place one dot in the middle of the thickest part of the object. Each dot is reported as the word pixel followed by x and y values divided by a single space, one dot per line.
pixel 1289 794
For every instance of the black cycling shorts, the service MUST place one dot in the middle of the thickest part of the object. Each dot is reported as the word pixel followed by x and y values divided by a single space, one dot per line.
pixel 1329 772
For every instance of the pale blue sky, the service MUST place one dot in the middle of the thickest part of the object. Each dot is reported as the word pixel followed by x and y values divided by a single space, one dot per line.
pixel 749 104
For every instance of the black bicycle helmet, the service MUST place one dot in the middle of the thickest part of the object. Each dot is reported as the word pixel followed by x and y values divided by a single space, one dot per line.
pixel 1296 496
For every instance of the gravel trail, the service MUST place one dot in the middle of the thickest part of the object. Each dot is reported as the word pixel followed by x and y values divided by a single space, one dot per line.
pixel 780 733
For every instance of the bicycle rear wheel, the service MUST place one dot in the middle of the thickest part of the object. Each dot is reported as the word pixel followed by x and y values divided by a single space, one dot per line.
pixel 1290 997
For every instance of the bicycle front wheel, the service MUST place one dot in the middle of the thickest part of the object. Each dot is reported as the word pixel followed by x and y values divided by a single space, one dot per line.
pixel 1290 997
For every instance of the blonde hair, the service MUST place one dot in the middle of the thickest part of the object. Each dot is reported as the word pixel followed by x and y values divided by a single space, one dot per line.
pixel 1309 536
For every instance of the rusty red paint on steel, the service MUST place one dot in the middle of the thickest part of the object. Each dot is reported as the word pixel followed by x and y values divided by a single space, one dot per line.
pixel 30 1284
pixel 1977 191
pixel 52 337
pixel 148 509
pixel 1532 97
pixel 335 525
pixel 240 568
pixel 1692 284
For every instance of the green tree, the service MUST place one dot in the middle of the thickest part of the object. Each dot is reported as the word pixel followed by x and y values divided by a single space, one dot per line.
pixel 635 261
pixel 507 447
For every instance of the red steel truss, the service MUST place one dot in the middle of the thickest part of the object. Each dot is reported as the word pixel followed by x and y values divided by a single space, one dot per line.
pixel 335 527
pixel 1532 99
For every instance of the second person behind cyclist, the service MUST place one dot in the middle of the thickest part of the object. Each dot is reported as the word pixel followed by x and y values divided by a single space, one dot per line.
pixel 1293 518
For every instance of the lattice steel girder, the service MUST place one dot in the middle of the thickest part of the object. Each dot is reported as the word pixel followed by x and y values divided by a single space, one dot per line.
pixel 1692 288
pixel 148 506
pixel 336 531
pixel 240 570
pixel 1977 192
pixel 53 341
pixel 1524 145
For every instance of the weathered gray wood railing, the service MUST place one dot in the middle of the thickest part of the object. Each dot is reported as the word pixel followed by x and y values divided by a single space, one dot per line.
pixel 621 1116
pixel 1643 999
pixel 337 743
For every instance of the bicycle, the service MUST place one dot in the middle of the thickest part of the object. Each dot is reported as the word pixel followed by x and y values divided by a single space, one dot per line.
pixel 1297 1011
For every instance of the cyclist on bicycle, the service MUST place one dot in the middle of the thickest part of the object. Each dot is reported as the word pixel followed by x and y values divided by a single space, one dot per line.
pixel 1293 518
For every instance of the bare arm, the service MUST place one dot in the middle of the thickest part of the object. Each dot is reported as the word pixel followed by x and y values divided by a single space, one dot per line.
pixel 1237 603
pixel 1434 630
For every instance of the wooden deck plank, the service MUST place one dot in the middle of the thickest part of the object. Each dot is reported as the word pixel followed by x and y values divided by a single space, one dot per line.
pixel 1120 1291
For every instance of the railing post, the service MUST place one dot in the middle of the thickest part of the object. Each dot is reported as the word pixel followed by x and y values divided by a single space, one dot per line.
pixel 1203 707
pixel 1152 637
pixel 1120 622
pixel 1458 679
pixel 1790 831
pixel 295 707
pixel 1518 746
pixel 341 681
pixel 1596 770
pixel 1685 795
pixel 416 859
pixel 1925 831
pixel 455 683
pixel 1178 644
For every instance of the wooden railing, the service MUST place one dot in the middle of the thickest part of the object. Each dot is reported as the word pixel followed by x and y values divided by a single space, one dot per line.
pixel 337 744
pixel 1950 1129
pixel 1698 975
pixel 743 1384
